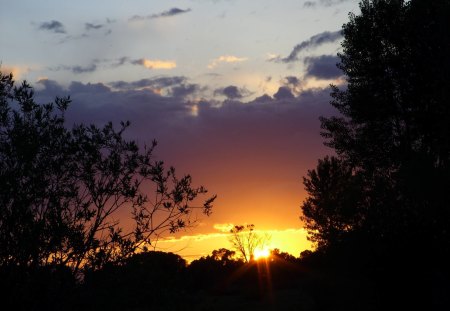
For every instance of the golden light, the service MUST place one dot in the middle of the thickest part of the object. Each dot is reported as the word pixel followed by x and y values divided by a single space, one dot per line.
pixel 261 253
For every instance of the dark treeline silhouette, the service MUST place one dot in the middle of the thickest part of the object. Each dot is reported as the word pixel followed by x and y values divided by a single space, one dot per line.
pixel 379 211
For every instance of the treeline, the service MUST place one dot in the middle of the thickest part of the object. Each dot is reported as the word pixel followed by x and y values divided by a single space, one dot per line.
pixel 156 281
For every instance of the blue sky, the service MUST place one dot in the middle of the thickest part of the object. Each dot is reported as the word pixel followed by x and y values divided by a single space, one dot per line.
pixel 231 89
pixel 212 43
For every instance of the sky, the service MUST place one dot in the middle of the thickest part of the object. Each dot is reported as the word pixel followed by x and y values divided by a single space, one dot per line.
pixel 232 90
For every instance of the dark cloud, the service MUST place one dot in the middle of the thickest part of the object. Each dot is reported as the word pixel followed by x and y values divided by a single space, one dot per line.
pixel 53 26
pixel 171 12
pixel 232 92
pixel 77 69
pixel 158 82
pixel 183 90
pixel 291 80
pixel 120 61
pixel 176 86
pixel 283 93
pixel 140 61
pixel 97 88
pixel 326 3
pixel 309 4
pixel 313 42
pixel 323 67
pixel 80 69
pixel 263 99
pixel 89 26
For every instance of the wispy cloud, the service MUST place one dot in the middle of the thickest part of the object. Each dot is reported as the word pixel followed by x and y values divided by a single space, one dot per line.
pixel 157 82
pixel 77 69
pixel 226 59
pixel 168 13
pixel 52 26
pixel 155 64
pixel 312 42
pixel 90 26
pixel 326 3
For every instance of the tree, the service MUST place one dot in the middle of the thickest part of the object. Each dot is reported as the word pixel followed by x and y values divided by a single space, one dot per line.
pixel 61 189
pixel 335 205
pixel 225 256
pixel 394 123
pixel 245 240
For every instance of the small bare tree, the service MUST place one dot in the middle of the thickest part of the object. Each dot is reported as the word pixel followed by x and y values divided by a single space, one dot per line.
pixel 245 240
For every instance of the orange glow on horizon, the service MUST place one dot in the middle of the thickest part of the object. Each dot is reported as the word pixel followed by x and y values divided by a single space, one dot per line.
pixel 191 247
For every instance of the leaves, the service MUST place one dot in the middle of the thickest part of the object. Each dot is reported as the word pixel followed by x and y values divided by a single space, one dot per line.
pixel 61 190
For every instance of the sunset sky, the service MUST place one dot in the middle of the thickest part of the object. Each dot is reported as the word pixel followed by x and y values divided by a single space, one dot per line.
pixel 231 90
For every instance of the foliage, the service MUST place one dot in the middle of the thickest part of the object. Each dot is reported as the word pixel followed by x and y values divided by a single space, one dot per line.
pixel 393 132
pixel 136 282
pixel 245 240
pixel 334 205
pixel 277 254
pixel 62 191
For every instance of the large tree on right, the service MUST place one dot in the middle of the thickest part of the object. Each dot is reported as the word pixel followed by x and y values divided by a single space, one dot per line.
pixel 393 127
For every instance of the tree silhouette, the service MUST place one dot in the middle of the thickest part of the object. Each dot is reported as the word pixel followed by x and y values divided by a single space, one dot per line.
pixel 245 240
pixel 334 202
pixel 394 128
pixel 387 191
pixel 61 189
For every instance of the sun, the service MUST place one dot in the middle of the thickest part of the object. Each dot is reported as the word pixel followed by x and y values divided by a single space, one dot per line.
pixel 261 253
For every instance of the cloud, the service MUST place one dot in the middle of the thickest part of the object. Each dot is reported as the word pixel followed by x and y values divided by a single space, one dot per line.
pixel 77 69
pixel 313 42
pixel 283 93
pixel 232 92
pixel 226 59
pixel 184 90
pixel 225 228
pixel 309 4
pixel 155 64
pixel 89 26
pixel 80 69
pixel 52 26
pixel 171 12
pixel 326 3
pixel 175 86
pixel 271 57
pixel 323 67
pixel 157 82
